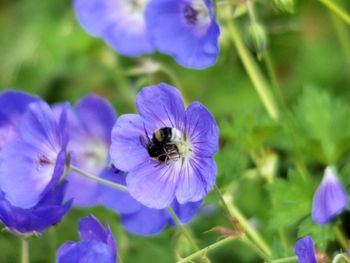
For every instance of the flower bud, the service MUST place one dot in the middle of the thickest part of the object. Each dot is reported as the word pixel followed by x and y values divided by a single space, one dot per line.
pixel 256 37
pixel 330 198
pixel 285 6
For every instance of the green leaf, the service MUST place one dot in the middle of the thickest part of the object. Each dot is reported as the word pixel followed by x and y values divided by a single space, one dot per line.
pixel 320 234
pixel 322 125
pixel 292 198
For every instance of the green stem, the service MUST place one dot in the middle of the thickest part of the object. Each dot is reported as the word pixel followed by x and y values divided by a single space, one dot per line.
pixel 224 205
pixel 205 250
pixel 284 260
pixel 123 84
pixel 221 243
pixel 98 179
pixel 253 71
pixel 301 167
pixel 258 251
pixel 338 257
pixel 182 228
pixel 343 36
pixel 340 238
pixel 233 212
pixel 175 81
pixel 25 251
pixel 251 231
pixel 336 10
pixel 185 232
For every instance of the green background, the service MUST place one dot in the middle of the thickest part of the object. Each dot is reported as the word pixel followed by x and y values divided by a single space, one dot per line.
pixel 43 50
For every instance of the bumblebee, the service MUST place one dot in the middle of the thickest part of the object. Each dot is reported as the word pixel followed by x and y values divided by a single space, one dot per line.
pixel 164 144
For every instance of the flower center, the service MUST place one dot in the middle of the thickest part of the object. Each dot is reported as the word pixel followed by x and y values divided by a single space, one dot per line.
pixel 196 13
pixel 134 7
pixel 90 154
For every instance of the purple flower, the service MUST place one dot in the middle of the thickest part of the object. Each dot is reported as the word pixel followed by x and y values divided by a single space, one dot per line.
pixel 97 244
pixel 48 212
pixel 89 128
pixel 32 164
pixel 120 23
pixel 305 250
pixel 137 218
pixel 330 198
pixel 166 150
pixel 185 29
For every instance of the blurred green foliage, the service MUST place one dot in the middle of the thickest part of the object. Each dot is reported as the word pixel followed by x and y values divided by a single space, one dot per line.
pixel 262 164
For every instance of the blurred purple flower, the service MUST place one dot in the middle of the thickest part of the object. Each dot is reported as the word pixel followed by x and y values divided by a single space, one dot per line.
pixel 330 198
pixel 97 244
pixel 181 169
pixel 48 212
pixel 137 218
pixel 90 125
pixel 185 29
pixel 32 163
pixel 305 250
pixel 120 23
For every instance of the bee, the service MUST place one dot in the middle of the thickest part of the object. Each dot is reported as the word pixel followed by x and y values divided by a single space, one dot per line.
pixel 164 144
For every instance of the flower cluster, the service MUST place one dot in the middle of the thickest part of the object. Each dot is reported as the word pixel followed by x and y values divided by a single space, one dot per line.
pixel 163 157
pixel 184 29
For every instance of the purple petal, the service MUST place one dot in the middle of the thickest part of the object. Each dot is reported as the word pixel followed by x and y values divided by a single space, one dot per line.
pixel 98 117
pixel 57 172
pixel 110 241
pixel 40 128
pixel 196 179
pixel 85 251
pixel 86 198
pixel 48 212
pixel 127 151
pixel 95 15
pixel 185 212
pixel 91 229
pixel 305 250
pixel 202 130
pixel 193 42
pixel 146 221
pixel 89 126
pixel 13 104
pixel 153 185
pixel 161 105
pixel 25 172
pixel 330 198
pixel 129 36
pixel 117 200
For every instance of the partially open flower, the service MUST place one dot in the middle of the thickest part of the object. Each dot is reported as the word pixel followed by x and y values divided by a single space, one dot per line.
pixel 305 250
pixel 330 198
pixel 167 150
pixel 97 244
